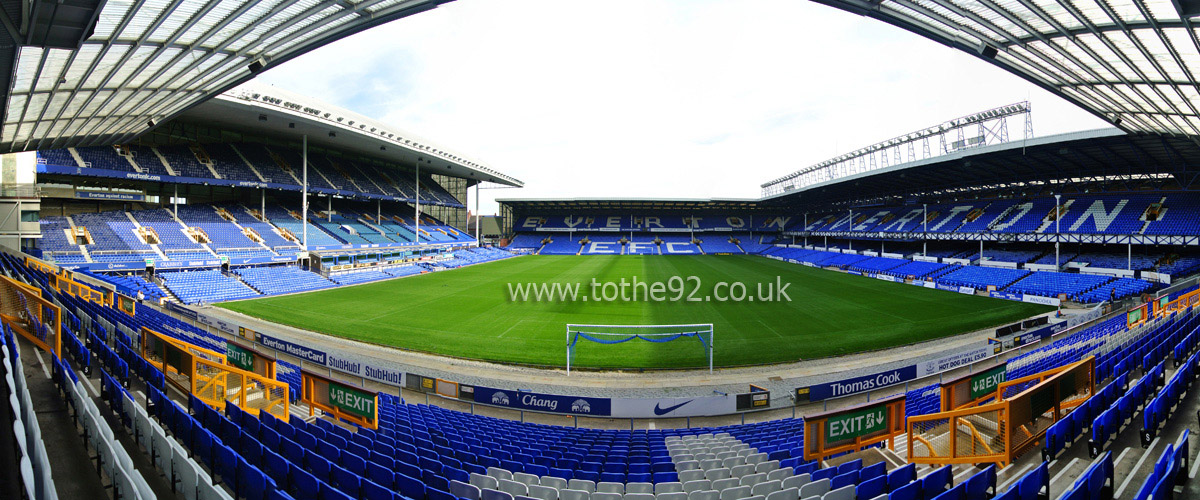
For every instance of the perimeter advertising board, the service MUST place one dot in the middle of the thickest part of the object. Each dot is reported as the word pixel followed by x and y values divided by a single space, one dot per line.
pixel 674 407
pixel 953 361
pixel 550 403
pixel 363 367
pixel 837 389
pixel 297 350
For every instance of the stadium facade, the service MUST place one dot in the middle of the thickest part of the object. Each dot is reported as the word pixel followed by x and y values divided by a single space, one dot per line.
pixel 239 151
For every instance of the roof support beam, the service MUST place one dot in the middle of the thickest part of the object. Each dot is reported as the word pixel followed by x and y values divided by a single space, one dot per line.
pixel 87 73
pixel 191 22
pixel 156 73
pixel 170 108
pixel 1119 61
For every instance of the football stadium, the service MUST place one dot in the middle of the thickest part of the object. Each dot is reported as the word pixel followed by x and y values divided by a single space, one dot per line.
pixel 215 288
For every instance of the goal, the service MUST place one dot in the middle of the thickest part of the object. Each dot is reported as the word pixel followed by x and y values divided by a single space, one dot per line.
pixel 618 334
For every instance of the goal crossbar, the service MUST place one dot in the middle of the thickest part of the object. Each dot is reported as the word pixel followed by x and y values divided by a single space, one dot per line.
pixel 619 334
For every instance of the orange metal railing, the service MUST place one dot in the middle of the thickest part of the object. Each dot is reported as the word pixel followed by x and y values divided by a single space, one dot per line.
pixel 1000 431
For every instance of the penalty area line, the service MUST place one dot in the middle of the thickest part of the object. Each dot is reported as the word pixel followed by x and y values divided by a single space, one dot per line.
pixel 509 329
pixel 768 327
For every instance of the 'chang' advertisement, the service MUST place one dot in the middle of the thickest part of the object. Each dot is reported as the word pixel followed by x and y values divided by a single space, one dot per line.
pixel 552 403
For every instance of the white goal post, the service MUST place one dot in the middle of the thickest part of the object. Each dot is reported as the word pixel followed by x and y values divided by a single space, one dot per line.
pixel 617 334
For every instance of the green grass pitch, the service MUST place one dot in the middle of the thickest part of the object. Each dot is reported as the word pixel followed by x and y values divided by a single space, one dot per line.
pixel 468 313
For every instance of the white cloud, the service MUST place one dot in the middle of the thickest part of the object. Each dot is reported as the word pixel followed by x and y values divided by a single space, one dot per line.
pixel 656 98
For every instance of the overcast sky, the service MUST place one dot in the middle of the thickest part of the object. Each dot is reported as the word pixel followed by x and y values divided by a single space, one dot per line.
pixel 656 98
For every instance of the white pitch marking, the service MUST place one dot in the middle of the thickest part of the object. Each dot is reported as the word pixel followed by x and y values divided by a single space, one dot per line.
pixel 768 327
pixel 1137 465
pixel 514 325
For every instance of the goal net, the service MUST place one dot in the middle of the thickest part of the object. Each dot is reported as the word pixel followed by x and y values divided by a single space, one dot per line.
pixel 619 334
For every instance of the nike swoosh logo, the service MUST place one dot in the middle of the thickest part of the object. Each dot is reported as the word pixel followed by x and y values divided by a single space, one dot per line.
pixel 660 411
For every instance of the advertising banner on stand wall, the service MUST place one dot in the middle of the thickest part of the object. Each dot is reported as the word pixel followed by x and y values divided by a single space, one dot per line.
pixel 673 407
pixel 551 403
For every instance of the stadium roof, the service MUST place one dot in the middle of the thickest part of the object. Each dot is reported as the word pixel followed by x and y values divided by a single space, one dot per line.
pixel 630 203
pixel 1088 161
pixel 1134 63
pixel 1106 159
pixel 97 73
pixel 264 109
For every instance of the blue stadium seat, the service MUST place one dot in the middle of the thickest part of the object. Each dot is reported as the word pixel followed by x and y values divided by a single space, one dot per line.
pixel 1035 484
pixel 250 448
pixel 276 467
pixel 873 471
pixel 354 464
pixel 853 465
pixel 982 484
pixel 302 485
pixel 955 493
pixel 279 495
pixel 436 494
pixel 373 491
pixel 202 446
pixel 936 482
pixel 227 466
pixel 901 476
pixel 871 488
pixel 410 487
pixel 381 475
pixel 329 492
pixel 318 465
pixel 252 483
pixel 846 479
pixel 909 491
pixel 826 473
pixel 346 481
pixel 1010 494
pixel 437 446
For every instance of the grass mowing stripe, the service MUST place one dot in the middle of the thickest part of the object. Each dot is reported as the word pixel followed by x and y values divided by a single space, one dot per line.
pixel 462 312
